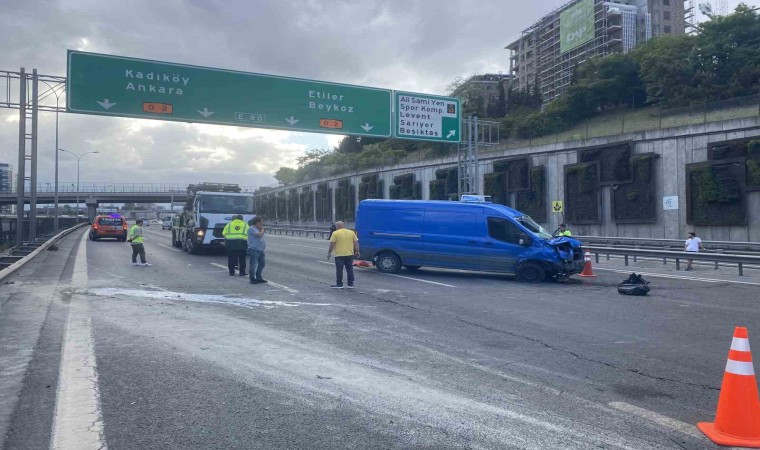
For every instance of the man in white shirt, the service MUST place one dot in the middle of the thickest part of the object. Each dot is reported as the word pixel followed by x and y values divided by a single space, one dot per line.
pixel 693 244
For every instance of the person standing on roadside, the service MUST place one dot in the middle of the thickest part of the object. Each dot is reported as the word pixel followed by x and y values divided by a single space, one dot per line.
pixel 236 243
pixel 692 244
pixel 563 231
pixel 346 246
pixel 135 239
pixel 256 247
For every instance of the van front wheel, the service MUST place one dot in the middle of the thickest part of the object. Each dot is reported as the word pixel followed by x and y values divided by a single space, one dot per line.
pixel 388 263
pixel 531 273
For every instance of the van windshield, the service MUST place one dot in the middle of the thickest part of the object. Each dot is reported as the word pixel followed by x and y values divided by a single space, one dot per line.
pixel 531 225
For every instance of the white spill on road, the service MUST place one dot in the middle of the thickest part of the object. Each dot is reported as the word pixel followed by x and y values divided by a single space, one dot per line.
pixel 198 298
pixel 78 423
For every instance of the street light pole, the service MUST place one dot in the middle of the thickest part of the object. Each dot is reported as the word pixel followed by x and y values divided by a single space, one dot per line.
pixel 57 94
pixel 78 157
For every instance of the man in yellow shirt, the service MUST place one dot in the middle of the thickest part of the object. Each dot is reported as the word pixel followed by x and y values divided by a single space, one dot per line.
pixel 346 246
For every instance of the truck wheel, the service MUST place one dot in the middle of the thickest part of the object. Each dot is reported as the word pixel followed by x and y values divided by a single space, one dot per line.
pixel 408 267
pixel 388 262
pixel 192 248
pixel 531 273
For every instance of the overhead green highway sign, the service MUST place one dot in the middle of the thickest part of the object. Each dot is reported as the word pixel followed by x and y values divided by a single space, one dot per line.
pixel 427 117
pixel 129 87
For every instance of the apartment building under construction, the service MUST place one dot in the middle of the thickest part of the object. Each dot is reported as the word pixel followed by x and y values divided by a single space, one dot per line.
pixel 547 52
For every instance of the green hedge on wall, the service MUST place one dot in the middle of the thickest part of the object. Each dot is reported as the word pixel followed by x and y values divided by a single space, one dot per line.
pixel 370 187
pixel 753 164
pixel 614 162
pixel 715 193
pixel 518 173
pixel 533 201
pixel 582 193
pixel 282 205
pixel 306 200
pixel 324 202
pixel 635 202
pixel 345 203
pixel 293 202
pixel 495 185
pixel 438 190
pixel 405 188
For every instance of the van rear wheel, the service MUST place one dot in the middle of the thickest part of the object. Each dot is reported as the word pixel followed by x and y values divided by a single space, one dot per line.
pixel 388 262
pixel 531 273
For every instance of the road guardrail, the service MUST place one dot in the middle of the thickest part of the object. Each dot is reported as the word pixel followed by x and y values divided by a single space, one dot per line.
pixel 714 246
pixel 740 260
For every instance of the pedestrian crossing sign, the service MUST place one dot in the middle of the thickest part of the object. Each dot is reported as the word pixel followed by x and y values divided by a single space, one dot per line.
pixel 558 206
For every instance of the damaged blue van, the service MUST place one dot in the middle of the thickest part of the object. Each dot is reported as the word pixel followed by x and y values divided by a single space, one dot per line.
pixel 462 235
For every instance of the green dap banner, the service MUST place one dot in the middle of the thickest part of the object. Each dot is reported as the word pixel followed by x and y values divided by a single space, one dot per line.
pixel 576 25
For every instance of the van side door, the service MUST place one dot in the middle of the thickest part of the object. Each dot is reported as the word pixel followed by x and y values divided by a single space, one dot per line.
pixel 502 248
pixel 453 239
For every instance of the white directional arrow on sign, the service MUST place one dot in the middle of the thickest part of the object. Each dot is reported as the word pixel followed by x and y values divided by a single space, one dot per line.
pixel 205 113
pixel 291 120
pixel 367 127
pixel 451 133
pixel 105 104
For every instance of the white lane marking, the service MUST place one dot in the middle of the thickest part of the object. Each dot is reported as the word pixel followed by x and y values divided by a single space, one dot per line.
pixel 170 248
pixel 77 423
pixel 680 277
pixel 306 246
pixel 269 282
pixel 659 419
pixel 198 298
pixel 405 277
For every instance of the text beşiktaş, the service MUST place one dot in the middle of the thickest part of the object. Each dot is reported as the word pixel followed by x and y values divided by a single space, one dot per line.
pixel 420 116
pixel 159 83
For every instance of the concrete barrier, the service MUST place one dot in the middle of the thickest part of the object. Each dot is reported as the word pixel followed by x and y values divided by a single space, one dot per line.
pixel 10 270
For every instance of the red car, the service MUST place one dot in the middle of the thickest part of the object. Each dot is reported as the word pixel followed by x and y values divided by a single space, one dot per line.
pixel 113 226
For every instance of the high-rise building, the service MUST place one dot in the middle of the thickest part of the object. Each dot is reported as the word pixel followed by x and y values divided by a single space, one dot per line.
pixel 548 51
pixel 6 185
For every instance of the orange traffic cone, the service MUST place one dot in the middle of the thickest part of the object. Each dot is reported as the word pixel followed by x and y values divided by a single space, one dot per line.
pixel 588 270
pixel 737 420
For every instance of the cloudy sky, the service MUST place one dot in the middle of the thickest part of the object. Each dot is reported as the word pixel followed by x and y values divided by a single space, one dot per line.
pixel 412 45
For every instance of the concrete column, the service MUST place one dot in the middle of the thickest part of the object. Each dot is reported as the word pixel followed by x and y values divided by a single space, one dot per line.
pixel 92 208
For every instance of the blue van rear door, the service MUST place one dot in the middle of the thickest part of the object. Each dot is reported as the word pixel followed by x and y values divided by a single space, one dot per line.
pixel 452 239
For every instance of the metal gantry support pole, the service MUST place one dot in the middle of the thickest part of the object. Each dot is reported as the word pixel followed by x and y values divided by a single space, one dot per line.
pixel 33 174
pixel 21 175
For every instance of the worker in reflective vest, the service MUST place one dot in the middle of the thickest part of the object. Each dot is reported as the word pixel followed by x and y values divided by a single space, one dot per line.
pixel 563 231
pixel 135 238
pixel 236 243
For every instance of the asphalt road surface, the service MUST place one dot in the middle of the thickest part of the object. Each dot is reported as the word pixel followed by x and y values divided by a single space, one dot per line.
pixel 96 353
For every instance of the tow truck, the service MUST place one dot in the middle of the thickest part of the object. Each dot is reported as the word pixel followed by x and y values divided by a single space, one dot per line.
pixel 209 208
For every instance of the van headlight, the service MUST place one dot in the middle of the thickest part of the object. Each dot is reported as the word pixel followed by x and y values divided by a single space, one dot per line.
pixel 200 233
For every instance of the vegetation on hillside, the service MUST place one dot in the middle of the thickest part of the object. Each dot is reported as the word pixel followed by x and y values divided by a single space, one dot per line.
pixel 721 60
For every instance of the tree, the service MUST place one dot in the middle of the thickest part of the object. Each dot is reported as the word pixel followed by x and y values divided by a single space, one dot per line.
pixel 666 69
pixel 726 55
pixel 312 156
pixel 285 176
